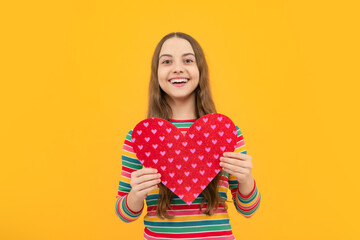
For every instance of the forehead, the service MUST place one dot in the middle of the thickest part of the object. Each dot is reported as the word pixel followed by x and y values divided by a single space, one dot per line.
pixel 176 46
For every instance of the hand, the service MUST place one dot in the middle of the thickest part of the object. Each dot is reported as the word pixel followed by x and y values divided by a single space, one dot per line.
pixel 144 181
pixel 238 165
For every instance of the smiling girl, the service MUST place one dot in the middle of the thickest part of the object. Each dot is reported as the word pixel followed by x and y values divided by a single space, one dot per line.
pixel 180 93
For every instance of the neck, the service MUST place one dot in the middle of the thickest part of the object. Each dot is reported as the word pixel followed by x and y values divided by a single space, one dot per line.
pixel 183 109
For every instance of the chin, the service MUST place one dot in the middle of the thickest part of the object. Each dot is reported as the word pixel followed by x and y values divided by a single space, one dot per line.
pixel 181 97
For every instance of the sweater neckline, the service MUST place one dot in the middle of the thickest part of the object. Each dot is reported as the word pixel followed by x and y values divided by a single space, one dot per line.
pixel 185 120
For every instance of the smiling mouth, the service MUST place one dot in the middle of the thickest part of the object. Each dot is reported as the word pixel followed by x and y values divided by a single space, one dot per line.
pixel 179 82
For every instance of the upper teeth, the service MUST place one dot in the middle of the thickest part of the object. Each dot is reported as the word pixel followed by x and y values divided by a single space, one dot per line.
pixel 178 80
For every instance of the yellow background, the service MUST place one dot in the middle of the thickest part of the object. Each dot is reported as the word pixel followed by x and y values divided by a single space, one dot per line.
pixel 74 78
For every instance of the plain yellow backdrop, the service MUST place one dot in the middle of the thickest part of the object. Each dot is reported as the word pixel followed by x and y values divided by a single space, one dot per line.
pixel 74 78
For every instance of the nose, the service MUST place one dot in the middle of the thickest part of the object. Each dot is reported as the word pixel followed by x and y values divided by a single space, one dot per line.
pixel 178 68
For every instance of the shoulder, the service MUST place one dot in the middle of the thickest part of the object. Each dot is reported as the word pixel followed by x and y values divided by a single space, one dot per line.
pixel 128 135
pixel 128 142
pixel 240 142
pixel 239 133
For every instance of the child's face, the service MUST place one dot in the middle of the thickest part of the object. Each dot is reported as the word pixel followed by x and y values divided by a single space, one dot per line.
pixel 177 60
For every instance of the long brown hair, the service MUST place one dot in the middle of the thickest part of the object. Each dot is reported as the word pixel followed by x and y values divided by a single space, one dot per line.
pixel 159 107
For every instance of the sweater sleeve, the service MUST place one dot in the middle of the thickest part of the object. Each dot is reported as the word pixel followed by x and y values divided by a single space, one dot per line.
pixel 245 205
pixel 130 163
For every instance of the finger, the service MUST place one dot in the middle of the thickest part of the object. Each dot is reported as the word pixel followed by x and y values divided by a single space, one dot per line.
pixel 144 171
pixel 229 171
pixel 148 190
pixel 233 168
pixel 148 177
pixel 233 173
pixel 147 185
pixel 237 155
pixel 234 161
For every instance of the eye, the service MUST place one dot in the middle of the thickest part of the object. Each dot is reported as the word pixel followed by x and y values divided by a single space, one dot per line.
pixel 189 60
pixel 165 61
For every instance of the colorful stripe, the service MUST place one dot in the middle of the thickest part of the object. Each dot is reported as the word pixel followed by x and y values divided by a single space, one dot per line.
pixel 124 212
pixel 189 222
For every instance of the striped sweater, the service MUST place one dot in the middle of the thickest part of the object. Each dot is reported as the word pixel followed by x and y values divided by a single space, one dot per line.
pixel 189 222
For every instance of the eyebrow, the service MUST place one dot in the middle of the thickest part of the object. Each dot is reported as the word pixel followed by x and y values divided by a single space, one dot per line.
pixel 169 55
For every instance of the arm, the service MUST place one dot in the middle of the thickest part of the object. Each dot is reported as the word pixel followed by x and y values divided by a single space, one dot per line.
pixel 130 163
pixel 246 196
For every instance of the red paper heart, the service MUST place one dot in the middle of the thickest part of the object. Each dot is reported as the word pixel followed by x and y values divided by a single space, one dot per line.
pixel 187 164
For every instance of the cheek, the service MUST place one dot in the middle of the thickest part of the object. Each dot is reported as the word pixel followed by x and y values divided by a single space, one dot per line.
pixel 162 80
pixel 196 76
pixel 161 75
pixel 195 72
